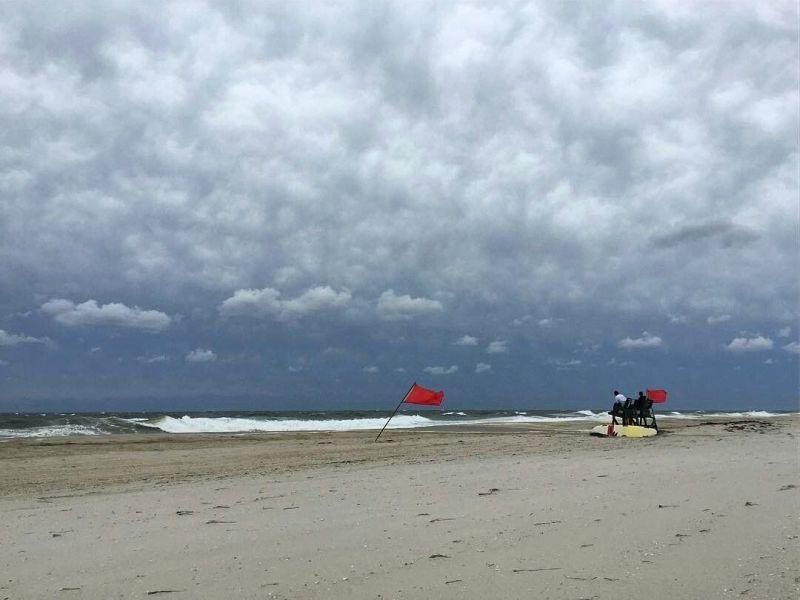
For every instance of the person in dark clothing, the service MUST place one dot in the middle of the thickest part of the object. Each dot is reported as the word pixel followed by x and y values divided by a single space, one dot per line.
pixel 628 411
pixel 639 405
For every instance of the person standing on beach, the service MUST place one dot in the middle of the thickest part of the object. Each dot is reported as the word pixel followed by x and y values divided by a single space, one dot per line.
pixel 619 405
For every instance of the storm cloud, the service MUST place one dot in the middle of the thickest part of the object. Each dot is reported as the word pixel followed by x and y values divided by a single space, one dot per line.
pixel 271 180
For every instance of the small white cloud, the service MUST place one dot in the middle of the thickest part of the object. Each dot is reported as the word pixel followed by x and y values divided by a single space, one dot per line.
pixel 95 350
pixel 677 319
pixel 769 361
pixel 13 339
pixel 396 308
pixel 497 347
pixel 267 302
pixel 371 369
pixel 620 363
pixel 793 348
pixel 441 370
pixel 521 320
pixel 199 355
pixel 715 319
pixel 565 364
pixel 295 368
pixel 4 363
pixel 785 332
pixel 115 314
pixel 161 358
pixel 399 370
pixel 547 322
pixel 646 341
pixel 753 344
pixel 466 340
pixel 482 367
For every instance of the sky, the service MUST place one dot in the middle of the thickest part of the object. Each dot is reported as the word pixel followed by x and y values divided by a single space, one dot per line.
pixel 308 205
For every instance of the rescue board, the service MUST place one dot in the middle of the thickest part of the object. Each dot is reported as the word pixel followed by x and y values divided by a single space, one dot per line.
pixel 634 431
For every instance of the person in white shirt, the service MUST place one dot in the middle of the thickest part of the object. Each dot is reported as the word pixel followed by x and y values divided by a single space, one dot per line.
pixel 619 406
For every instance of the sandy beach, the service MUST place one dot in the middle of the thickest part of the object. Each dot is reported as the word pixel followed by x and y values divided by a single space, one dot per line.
pixel 708 509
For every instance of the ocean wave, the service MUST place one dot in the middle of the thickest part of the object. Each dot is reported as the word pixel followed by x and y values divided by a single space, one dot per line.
pixel 50 431
pixel 749 413
pixel 188 424
pixel 28 426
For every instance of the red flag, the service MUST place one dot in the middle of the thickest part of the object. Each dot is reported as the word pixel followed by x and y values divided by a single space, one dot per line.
pixel 657 396
pixel 420 395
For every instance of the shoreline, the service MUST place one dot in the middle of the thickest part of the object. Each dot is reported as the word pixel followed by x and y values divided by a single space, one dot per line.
pixel 130 460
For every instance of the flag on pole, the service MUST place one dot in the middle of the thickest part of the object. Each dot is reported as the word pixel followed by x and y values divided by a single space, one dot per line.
pixel 416 394
pixel 420 395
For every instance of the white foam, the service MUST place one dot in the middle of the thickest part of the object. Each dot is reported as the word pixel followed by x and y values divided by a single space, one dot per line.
pixel 188 424
pixel 759 414
pixel 749 413
pixel 49 431
pixel 589 413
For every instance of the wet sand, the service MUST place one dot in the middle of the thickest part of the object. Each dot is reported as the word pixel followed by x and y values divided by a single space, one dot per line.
pixel 708 509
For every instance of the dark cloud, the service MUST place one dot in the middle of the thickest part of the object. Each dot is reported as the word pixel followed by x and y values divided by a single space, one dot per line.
pixel 271 180
pixel 729 234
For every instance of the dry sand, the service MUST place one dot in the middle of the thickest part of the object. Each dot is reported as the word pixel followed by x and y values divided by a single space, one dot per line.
pixel 702 511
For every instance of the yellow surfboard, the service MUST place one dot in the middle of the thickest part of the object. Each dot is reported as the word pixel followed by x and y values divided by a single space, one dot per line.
pixel 632 431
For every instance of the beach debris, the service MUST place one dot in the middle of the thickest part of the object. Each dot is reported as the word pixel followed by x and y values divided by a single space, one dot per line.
pixel 68 589
pixel 535 570
pixel 220 506
pixel 423 514
pixel 790 486
pixel 216 522
pixel 290 507
pixel 453 581
pixel 667 506
pixel 546 522
pixel 489 492
pixel 586 545
pixel 437 519
pixel 704 530
pixel 56 534
pixel 438 556
pixel 748 503
pixel 183 513
pixel 155 592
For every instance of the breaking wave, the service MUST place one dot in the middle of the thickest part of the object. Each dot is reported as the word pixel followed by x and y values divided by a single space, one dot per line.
pixel 188 424
pixel 71 424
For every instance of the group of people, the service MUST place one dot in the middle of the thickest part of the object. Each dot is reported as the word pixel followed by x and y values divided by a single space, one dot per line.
pixel 632 411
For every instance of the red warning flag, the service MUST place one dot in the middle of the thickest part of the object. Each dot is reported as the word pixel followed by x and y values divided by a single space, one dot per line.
pixel 420 395
pixel 416 394
pixel 657 396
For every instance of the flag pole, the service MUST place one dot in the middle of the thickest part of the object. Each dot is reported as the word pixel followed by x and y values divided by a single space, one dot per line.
pixel 395 410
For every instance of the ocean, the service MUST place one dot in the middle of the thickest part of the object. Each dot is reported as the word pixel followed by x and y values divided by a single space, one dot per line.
pixel 15 425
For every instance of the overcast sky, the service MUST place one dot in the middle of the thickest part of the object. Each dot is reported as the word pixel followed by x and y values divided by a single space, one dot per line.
pixel 308 204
